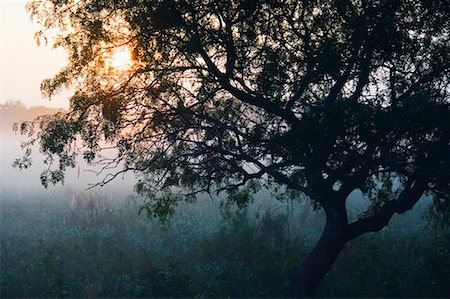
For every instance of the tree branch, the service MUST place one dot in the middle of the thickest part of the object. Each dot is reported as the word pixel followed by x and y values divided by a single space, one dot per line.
pixel 340 82
pixel 428 77
pixel 364 73
pixel 405 201
pixel 231 51
pixel 260 102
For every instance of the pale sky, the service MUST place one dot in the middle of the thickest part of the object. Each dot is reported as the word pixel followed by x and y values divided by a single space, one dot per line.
pixel 23 64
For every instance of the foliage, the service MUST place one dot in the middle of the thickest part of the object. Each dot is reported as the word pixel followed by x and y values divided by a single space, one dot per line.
pixel 324 97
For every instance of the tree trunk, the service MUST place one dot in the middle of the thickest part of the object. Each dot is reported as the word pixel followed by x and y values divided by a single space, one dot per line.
pixel 317 264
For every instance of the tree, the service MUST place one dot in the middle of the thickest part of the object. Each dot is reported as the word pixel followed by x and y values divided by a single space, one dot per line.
pixel 320 97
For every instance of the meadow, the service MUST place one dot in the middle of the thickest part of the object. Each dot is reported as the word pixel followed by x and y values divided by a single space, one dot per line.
pixel 53 246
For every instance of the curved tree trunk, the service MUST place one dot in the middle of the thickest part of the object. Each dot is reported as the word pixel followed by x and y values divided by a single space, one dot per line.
pixel 338 231
pixel 317 264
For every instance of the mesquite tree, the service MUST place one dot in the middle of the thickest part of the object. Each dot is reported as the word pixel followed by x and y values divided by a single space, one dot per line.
pixel 320 97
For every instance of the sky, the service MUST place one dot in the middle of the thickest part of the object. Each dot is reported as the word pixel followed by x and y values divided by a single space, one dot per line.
pixel 23 64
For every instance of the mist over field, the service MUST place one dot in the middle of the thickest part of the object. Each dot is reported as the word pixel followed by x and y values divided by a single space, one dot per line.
pixel 65 241
pixel 77 179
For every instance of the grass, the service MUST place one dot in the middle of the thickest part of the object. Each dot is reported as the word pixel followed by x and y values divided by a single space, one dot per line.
pixel 51 248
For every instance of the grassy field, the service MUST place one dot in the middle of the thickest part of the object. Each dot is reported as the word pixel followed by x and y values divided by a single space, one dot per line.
pixel 52 246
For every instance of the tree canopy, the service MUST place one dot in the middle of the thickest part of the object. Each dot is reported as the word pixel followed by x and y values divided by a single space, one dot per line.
pixel 321 97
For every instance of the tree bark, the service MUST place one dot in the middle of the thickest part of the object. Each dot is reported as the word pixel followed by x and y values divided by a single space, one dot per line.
pixel 317 264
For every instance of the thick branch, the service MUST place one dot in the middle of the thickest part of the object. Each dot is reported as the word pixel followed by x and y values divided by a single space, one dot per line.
pixel 231 51
pixel 405 201
pixel 260 102
pixel 364 74
pixel 340 82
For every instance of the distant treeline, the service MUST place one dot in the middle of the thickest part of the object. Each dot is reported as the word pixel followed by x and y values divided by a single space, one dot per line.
pixel 16 111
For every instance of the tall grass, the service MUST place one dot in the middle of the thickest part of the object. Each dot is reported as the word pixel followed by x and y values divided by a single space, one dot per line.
pixel 52 248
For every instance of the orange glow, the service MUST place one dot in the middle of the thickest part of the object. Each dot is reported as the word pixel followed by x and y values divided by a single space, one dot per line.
pixel 121 59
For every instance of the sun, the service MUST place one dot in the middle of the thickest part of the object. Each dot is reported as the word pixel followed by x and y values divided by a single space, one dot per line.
pixel 121 59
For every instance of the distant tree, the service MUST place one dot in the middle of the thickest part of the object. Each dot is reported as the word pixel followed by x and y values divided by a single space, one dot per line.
pixel 319 97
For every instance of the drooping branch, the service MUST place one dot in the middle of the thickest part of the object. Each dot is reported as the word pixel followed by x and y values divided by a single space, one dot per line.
pixel 404 202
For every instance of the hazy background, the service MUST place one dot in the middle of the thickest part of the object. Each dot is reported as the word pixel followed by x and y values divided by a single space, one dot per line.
pixel 23 64
pixel 14 180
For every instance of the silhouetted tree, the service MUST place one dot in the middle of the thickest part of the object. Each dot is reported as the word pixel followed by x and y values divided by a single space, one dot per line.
pixel 321 97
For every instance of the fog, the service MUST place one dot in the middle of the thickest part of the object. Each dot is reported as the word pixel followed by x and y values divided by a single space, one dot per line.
pixel 77 179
